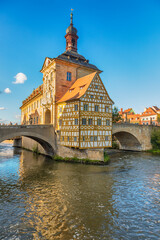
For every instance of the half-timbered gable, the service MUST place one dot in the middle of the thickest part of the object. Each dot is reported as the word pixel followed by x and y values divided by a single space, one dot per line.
pixel 85 114
pixel 96 116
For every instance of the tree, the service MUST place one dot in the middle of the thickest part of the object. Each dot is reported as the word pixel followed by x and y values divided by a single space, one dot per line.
pixel 158 118
pixel 155 139
pixel 115 115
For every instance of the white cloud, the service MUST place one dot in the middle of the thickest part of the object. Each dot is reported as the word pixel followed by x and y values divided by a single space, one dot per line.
pixel 7 90
pixel 20 78
pixel 2 108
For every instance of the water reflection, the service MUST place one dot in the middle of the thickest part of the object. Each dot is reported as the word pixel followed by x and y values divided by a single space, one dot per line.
pixel 42 199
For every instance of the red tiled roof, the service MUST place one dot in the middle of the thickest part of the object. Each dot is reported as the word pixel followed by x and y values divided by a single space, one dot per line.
pixel 78 89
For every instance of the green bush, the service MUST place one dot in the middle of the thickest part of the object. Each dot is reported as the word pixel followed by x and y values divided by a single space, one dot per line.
pixel 36 150
pixel 155 139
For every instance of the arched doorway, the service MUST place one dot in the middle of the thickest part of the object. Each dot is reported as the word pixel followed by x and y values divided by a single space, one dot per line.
pixel 47 116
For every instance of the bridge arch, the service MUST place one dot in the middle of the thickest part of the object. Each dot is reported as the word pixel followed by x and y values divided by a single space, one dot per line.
pixel 127 140
pixel 44 135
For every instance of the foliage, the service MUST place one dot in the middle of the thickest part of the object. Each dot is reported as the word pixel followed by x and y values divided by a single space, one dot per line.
pixel 158 118
pixel 115 145
pixel 157 151
pixel 36 150
pixel 155 139
pixel 106 158
pixel 115 115
pixel 83 161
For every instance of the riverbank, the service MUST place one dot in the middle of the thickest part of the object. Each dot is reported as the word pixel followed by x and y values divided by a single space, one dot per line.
pixel 83 161
pixel 154 151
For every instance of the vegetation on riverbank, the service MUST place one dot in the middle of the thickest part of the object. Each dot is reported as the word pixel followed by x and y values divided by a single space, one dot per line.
pixel 83 161
pixel 36 150
pixel 155 141
pixel 154 151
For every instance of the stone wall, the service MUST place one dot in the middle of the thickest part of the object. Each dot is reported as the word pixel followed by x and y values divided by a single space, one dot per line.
pixel 62 151
pixel 92 154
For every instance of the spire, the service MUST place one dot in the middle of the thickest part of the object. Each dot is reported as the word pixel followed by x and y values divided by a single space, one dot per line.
pixel 71 15
pixel 71 36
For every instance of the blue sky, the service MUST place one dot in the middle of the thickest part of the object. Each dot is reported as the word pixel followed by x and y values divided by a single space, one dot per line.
pixel 122 38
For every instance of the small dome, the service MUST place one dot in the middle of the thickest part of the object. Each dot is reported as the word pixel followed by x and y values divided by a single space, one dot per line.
pixel 71 29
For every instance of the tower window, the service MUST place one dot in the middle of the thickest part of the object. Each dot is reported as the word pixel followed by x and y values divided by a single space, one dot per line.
pixel 106 138
pixel 85 107
pixel 107 109
pixel 95 138
pixel 75 139
pixel 84 121
pixel 96 108
pixel 91 138
pixel 73 42
pixel 108 122
pixel 90 122
pixel 76 121
pixel 76 107
pixel 68 76
pixel 99 122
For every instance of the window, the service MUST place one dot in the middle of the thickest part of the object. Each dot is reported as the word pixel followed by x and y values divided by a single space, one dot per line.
pixel 85 107
pixel 91 138
pixel 101 97
pixel 106 138
pixel 76 121
pixel 107 109
pixel 84 121
pixel 37 120
pixel 95 138
pixel 108 122
pixel 34 120
pixel 60 109
pixel 60 122
pixel 37 104
pixel 63 139
pixel 90 121
pixel 96 108
pixel 68 76
pixel 51 76
pixel 99 122
pixel 68 139
pixel 96 86
pixel 83 138
pixel 75 139
pixel 91 96
pixel 76 107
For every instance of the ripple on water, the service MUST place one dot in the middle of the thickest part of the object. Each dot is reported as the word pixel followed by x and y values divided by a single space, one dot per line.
pixel 41 199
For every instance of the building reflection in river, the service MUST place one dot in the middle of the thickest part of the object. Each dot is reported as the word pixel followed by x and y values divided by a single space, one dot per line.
pixel 64 201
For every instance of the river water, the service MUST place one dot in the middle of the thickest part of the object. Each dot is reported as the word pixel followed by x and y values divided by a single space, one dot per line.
pixel 43 199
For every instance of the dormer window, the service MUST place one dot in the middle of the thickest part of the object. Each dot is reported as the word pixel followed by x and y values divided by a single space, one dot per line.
pixel 68 76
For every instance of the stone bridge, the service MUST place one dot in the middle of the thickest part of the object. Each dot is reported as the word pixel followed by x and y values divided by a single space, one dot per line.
pixel 129 136
pixel 43 134
pixel 133 136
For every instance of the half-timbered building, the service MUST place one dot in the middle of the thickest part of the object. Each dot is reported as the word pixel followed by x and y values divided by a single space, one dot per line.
pixel 73 98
